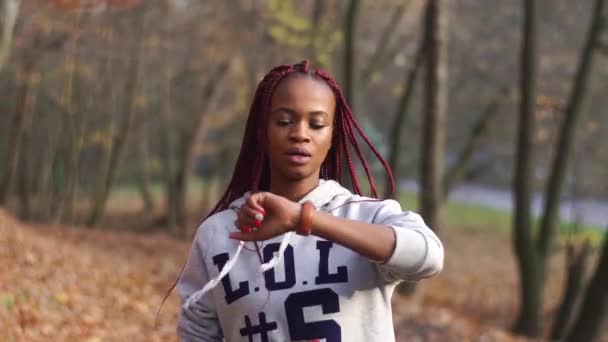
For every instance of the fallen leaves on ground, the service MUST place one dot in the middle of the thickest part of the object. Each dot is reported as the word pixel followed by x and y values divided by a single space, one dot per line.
pixel 73 284
pixel 76 284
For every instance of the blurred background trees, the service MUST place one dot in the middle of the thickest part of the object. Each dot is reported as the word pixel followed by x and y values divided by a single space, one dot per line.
pixel 128 106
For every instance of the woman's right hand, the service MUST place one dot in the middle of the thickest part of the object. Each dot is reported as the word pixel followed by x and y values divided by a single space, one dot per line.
pixel 265 215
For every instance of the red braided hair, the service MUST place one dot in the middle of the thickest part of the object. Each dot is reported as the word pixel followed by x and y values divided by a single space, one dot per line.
pixel 251 172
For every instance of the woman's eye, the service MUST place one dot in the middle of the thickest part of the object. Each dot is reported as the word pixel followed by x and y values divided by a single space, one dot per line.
pixel 283 122
pixel 316 125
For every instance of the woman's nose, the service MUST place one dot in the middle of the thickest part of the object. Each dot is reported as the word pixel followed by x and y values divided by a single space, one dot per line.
pixel 299 132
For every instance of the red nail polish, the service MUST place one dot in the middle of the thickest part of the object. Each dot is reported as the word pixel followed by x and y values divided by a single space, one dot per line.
pixel 257 223
pixel 263 211
pixel 246 229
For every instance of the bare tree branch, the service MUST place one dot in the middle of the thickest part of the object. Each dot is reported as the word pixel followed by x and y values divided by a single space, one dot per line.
pixel 383 42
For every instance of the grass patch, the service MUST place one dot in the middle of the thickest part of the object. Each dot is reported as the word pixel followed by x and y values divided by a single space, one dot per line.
pixel 475 217
pixel 455 215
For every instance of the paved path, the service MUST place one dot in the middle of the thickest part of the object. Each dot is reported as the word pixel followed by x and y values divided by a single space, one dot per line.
pixel 593 212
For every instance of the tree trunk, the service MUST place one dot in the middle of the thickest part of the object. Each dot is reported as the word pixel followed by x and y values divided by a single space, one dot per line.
pixel 64 211
pixel 65 208
pixel 25 180
pixel 595 305
pixel 143 179
pixel 577 261
pixel 400 117
pixel 383 42
pixel 528 320
pixel 122 136
pixel 25 211
pixel 177 209
pixel 49 157
pixel 189 145
pixel 75 127
pixel 350 62
pixel 533 270
pixel 170 180
pixel 169 141
pixel 75 112
pixel 10 12
pixel 25 101
pixel 567 132
pixel 435 101
pixel 458 171
pixel 317 15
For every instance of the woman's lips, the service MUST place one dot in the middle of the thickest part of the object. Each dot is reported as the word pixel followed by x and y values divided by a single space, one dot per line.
pixel 298 159
pixel 298 155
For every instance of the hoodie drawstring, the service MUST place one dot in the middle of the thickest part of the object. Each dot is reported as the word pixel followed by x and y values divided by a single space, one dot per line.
pixel 278 258
pixel 328 187
pixel 196 296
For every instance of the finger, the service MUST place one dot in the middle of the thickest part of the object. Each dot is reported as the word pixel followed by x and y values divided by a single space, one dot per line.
pixel 258 218
pixel 254 209
pixel 248 216
pixel 256 202
pixel 243 236
pixel 242 226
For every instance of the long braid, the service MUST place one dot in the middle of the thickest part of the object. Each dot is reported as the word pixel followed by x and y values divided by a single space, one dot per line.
pixel 348 134
pixel 251 169
pixel 368 173
pixel 251 159
pixel 351 166
pixel 351 121
pixel 383 161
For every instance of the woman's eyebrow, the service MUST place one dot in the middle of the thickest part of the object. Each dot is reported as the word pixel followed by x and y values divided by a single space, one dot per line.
pixel 284 109
pixel 293 112
pixel 319 113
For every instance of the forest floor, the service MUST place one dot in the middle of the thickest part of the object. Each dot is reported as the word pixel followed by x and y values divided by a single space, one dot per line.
pixel 64 283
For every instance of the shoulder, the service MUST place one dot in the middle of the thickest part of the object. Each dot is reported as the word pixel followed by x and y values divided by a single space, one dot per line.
pixel 362 207
pixel 352 200
pixel 220 221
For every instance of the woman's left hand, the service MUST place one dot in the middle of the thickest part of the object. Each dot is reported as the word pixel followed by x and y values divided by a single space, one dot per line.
pixel 264 216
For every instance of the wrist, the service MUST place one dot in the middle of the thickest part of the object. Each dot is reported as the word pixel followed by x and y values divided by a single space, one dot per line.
pixel 293 219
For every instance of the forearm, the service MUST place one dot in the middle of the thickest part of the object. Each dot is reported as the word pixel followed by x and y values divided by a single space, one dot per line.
pixel 374 241
pixel 401 241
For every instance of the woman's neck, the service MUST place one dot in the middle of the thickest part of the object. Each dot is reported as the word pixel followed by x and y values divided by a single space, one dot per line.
pixel 293 190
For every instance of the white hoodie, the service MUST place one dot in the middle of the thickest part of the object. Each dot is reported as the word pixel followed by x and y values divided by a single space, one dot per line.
pixel 314 290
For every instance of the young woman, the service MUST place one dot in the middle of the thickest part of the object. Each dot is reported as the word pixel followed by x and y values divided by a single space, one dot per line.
pixel 288 254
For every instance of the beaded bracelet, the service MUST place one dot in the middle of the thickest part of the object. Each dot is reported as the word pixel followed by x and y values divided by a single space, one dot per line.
pixel 305 226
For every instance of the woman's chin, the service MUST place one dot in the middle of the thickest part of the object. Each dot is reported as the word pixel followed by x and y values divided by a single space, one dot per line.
pixel 298 175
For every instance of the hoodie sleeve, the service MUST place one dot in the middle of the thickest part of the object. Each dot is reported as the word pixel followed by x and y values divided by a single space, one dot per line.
pixel 198 321
pixel 418 252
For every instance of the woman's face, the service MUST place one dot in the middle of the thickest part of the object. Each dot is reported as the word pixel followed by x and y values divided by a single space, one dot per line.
pixel 300 126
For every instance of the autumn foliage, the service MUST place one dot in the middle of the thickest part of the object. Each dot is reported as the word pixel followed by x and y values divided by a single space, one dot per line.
pixel 67 284
pixel 62 283
pixel 76 4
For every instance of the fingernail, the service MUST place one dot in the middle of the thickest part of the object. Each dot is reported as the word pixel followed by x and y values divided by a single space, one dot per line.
pixel 257 223
pixel 259 217
pixel 246 229
pixel 262 211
